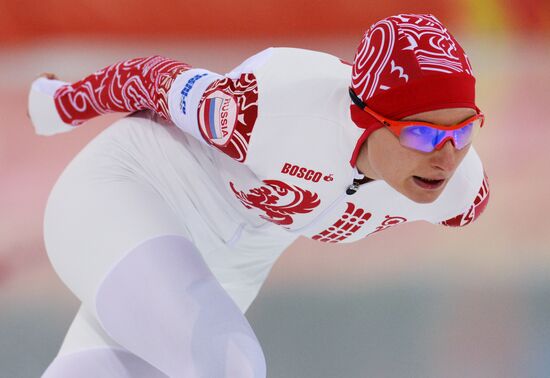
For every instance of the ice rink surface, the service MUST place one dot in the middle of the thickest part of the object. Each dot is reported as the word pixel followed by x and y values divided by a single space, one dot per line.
pixel 414 301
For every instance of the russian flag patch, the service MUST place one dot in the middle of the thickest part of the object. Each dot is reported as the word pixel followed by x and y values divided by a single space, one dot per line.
pixel 217 117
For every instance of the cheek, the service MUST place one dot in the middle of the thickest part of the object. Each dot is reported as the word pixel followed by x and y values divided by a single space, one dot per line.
pixel 461 154
pixel 389 159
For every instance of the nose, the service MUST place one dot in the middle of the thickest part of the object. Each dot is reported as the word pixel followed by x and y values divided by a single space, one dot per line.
pixel 445 158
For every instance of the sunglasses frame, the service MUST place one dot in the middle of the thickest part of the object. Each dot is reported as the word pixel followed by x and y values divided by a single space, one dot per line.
pixel 396 127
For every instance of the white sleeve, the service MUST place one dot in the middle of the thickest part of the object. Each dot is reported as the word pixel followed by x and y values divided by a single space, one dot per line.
pixel 220 111
pixel 251 63
pixel 184 98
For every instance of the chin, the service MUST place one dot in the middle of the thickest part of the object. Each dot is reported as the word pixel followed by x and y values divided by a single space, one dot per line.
pixel 427 197
pixel 420 195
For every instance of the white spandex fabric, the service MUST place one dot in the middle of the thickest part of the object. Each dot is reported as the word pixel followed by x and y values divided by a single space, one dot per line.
pixel 145 197
pixel 136 185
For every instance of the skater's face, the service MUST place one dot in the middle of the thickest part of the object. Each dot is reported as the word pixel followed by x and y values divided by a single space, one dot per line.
pixel 419 176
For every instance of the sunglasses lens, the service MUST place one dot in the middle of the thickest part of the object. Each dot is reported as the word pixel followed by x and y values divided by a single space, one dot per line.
pixel 422 138
pixel 425 138
pixel 465 135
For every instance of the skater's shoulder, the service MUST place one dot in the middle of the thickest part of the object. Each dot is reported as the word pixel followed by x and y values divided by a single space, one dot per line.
pixel 311 59
pixel 286 60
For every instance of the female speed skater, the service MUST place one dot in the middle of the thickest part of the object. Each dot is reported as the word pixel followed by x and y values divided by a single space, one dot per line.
pixel 166 224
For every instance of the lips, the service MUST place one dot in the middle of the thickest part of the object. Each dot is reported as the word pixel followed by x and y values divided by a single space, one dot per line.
pixel 427 183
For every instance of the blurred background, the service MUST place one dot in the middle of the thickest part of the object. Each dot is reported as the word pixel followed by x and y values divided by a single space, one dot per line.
pixel 414 301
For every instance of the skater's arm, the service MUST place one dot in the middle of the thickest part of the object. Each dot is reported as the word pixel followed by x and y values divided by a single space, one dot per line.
pixel 217 110
pixel 220 111
pixel 127 86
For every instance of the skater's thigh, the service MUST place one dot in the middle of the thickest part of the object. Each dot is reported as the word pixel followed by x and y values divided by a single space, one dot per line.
pixel 97 212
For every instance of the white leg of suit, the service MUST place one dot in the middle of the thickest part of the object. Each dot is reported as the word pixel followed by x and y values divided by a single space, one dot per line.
pixel 88 352
pixel 122 232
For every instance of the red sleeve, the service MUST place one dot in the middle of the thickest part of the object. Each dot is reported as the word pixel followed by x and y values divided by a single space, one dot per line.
pixel 475 210
pixel 227 113
pixel 127 86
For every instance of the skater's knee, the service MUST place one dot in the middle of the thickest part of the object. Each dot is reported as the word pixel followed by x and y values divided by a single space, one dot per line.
pixel 148 273
pixel 163 304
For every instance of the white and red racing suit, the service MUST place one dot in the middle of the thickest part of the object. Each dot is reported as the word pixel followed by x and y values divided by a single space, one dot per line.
pixel 267 154
pixel 287 145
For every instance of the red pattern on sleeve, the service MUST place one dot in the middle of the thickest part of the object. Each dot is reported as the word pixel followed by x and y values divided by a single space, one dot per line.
pixel 227 114
pixel 480 203
pixel 127 86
